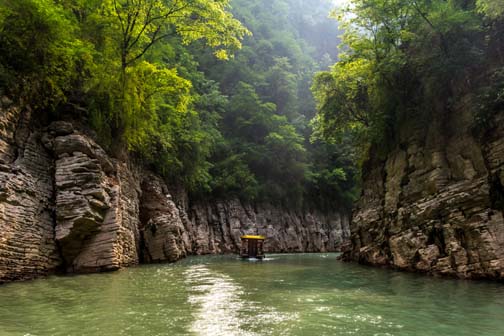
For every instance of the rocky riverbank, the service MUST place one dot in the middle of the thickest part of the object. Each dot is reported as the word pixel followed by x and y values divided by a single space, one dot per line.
pixel 435 204
pixel 67 206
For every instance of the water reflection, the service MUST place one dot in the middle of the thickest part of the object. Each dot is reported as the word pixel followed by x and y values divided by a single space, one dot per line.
pixel 294 295
pixel 217 300
pixel 222 306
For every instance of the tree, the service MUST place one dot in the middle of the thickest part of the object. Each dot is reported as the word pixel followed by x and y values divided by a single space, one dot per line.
pixel 343 97
pixel 394 51
pixel 282 88
pixel 41 58
pixel 140 33
pixel 143 23
pixel 264 126
pixel 130 69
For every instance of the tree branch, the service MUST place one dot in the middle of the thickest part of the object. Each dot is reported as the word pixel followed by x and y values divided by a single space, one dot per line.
pixel 444 45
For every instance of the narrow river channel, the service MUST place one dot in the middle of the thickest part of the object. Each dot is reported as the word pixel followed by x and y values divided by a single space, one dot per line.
pixel 304 294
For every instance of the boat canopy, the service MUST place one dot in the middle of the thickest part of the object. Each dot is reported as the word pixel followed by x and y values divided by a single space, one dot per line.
pixel 252 237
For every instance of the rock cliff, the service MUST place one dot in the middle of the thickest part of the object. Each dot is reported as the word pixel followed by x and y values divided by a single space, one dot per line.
pixel 27 245
pixel 216 227
pixel 66 206
pixel 435 204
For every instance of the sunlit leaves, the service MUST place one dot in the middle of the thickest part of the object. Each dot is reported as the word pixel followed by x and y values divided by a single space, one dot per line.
pixel 491 8
pixel 129 69
pixel 344 96
pixel 150 93
pixel 144 23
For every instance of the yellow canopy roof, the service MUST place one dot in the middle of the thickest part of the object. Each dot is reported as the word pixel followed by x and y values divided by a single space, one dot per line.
pixel 252 237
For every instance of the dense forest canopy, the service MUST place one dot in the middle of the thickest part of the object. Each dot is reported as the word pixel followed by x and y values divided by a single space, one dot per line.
pixel 213 94
pixel 266 125
pixel 410 58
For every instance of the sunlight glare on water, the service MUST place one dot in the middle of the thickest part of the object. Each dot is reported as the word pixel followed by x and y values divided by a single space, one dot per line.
pixel 219 305
pixel 300 295
pixel 217 300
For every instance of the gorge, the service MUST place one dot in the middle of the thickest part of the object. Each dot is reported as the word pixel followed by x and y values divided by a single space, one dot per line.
pixel 68 207
pixel 140 139
pixel 109 162
pixel 193 178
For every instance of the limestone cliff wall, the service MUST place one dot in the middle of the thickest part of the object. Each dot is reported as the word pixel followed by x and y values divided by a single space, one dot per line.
pixel 27 245
pixel 66 206
pixel 172 229
pixel 216 227
pixel 435 204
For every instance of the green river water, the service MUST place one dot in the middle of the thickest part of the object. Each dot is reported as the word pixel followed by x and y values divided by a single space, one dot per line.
pixel 305 294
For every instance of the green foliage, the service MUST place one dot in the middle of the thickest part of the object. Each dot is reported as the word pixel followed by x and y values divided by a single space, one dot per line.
pixel 145 99
pixel 282 87
pixel 232 176
pixel 122 65
pixel 345 98
pixel 333 177
pixel 171 82
pixel 491 8
pixel 264 126
pixel 155 101
pixel 402 58
pixel 140 24
pixel 273 148
pixel 194 135
pixel 40 58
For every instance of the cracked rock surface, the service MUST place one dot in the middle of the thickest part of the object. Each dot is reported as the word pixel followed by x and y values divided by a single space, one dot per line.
pixel 435 204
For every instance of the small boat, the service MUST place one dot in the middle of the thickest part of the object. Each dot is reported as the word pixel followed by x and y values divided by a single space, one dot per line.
pixel 252 246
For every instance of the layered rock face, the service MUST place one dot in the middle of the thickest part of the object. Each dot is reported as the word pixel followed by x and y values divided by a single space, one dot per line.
pixel 217 227
pixel 27 245
pixel 66 206
pixel 436 204
pixel 164 236
pixel 63 204
pixel 97 204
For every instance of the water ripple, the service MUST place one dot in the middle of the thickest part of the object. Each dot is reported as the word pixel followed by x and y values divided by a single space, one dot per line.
pixel 218 300
pixel 291 295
